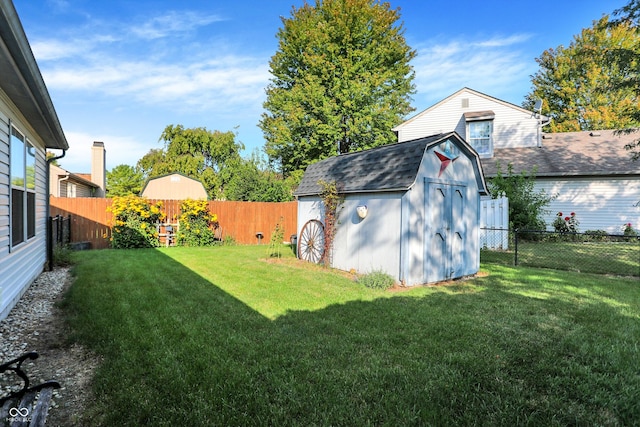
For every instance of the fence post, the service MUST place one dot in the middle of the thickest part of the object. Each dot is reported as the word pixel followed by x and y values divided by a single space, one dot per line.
pixel 69 229
pixel 50 242
pixel 515 261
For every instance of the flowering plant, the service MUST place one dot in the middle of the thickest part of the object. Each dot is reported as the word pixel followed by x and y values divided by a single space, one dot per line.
pixel 568 224
pixel 197 224
pixel 134 220
pixel 628 230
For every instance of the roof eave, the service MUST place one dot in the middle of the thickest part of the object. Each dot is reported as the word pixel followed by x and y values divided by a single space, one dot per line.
pixel 23 83
pixel 580 174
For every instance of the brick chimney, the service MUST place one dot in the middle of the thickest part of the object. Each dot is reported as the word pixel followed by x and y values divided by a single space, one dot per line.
pixel 98 167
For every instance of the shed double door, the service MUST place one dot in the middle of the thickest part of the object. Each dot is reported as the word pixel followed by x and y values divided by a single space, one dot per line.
pixel 445 234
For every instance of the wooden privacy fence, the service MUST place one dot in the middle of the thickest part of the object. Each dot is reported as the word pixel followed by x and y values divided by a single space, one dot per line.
pixel 91 221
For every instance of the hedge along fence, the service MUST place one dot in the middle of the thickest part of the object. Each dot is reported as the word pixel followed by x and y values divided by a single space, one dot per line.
pixel 91 221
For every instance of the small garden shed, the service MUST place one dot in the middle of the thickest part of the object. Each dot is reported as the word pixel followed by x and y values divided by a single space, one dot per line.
pixel 410 209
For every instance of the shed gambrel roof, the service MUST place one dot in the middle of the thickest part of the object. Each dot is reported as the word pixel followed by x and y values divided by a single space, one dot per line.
pixel 388 168
pixel 146 184
pixel 585 153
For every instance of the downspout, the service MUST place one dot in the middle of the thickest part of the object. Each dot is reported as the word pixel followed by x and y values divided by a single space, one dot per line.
pixel 66 178
pixel 48 209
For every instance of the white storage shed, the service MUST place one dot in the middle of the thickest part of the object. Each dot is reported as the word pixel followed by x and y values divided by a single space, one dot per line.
pixel 410 209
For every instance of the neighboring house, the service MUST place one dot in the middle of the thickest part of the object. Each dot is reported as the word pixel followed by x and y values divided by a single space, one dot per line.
pixel 592 176
pixel 420 201
pixel 28 126
pixel 175 186
pixel 66 184
pixel 63 183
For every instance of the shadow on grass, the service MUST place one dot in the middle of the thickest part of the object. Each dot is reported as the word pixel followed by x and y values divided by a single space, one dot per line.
pixel 179 351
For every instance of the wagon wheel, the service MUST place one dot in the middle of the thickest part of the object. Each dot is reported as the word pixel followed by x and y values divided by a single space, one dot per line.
pixel 311 241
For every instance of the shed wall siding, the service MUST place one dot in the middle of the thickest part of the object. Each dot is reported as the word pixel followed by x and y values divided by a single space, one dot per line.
pixel 459 172
pixel 599 203
pixel 20 265
pixel 309 207
pixel 512 127
pixel 371 244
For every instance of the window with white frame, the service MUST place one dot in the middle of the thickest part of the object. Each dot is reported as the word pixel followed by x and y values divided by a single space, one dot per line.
pixel 23 188
pixel 480 136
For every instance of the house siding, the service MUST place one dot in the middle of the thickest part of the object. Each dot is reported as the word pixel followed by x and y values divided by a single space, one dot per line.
pixel 512 126
pixel 29 256
pixel 605 203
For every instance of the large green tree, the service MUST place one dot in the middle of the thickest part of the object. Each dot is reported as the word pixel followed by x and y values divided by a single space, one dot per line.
pixel 124 180
pixel 196 152
pixel 341 81
pixel 629 15
pixel 249 180
pixel 581 84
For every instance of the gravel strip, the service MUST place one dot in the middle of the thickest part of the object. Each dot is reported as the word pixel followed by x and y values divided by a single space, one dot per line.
pixel 36 324
pixel 34 308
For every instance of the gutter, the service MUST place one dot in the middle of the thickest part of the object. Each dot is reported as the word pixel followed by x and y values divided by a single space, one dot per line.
pixel 48 209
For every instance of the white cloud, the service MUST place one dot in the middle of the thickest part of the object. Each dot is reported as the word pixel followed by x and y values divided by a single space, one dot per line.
pixel 148 69
pixel 120 150
pixel 172 23
pixel 490 65
pixel 215 84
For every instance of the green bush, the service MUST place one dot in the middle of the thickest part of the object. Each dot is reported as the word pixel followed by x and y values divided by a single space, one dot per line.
pixel 275 244
pixel 62 256
pixel 134 223
pixel 526 205
pixel 196 224
pixel 595 235
pixel 377 279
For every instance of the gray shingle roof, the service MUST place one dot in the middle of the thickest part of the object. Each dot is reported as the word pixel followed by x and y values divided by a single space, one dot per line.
pixel 388 168
pixel 586 153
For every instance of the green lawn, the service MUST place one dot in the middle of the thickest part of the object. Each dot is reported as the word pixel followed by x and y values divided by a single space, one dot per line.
pixel 219 336
pixel 615 258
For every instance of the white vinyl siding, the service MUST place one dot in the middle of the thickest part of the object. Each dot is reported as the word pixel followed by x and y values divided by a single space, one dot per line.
pixel 21 265
pixel 512 127
pixel 599 203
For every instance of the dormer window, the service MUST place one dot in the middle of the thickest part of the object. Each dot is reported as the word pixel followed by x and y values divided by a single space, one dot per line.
pixel 480 131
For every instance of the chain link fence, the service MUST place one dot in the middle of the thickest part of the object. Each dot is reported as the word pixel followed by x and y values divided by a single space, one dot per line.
pixel 595 252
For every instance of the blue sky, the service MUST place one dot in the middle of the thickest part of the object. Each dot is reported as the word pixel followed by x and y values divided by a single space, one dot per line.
pixel 121 71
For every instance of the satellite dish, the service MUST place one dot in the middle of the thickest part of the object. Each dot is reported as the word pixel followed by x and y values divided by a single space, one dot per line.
pixel 538 105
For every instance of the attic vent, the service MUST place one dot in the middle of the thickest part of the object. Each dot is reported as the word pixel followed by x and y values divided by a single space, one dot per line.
pixel 465 102
pixel 594 134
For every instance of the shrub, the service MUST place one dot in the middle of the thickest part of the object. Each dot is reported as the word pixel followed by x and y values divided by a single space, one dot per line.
pixel 628 230
pixel 62 256
pixel 197 225
pixel 135 222
pixel 567 224
pixel 526 206
pixel 275 243
pixel 377 279
pixel 595 235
